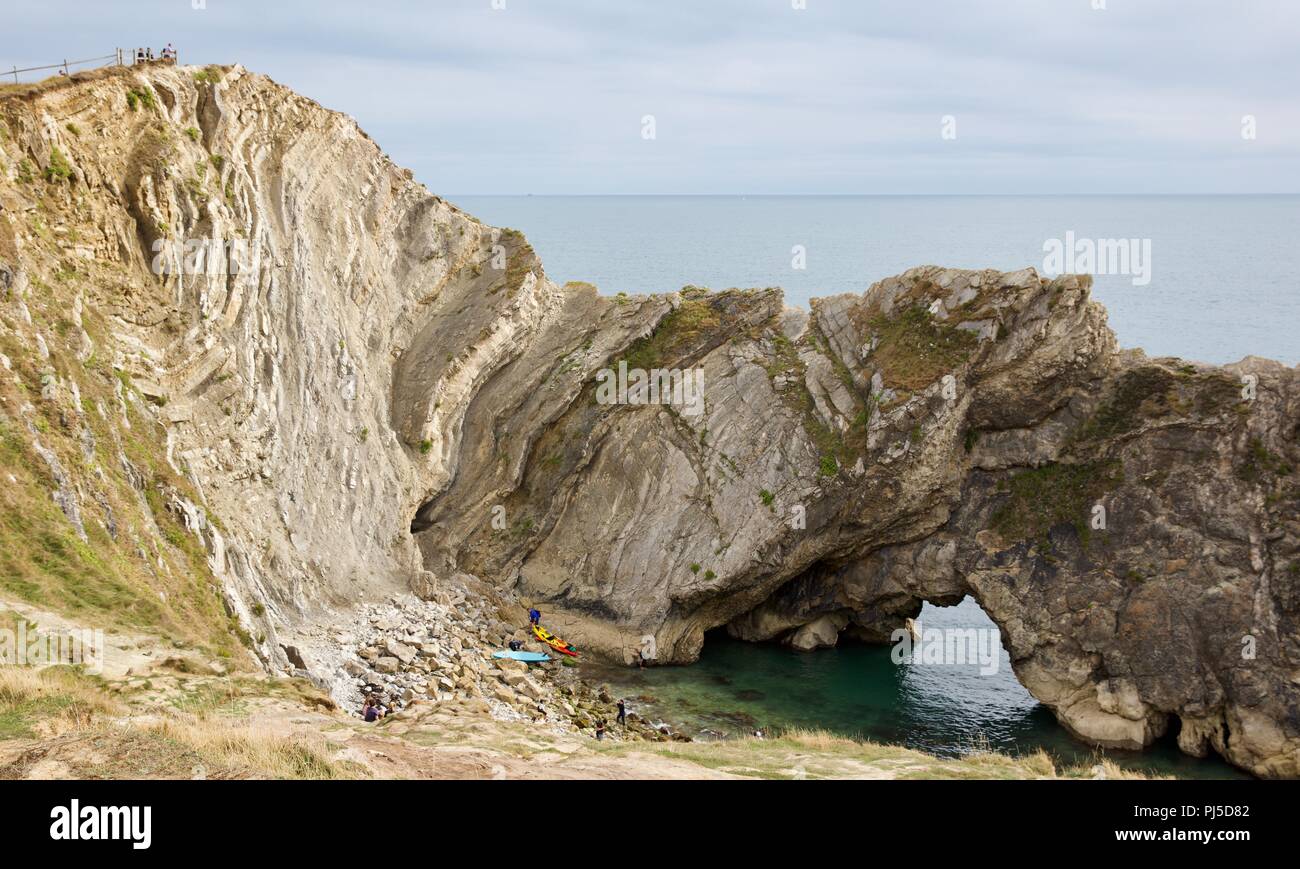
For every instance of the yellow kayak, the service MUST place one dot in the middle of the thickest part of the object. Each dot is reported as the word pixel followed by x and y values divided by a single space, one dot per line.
pixel 555 642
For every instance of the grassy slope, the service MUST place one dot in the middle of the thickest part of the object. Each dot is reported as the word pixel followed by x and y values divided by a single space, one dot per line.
pixel 138 567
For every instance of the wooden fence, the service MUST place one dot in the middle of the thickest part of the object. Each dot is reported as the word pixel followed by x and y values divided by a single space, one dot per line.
pixel 119 57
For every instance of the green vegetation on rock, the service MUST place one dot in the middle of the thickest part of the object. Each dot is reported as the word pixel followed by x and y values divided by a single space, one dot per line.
pixel 208 75
pixel 914 349
pixel 136 97
pixel 1040 499
pixel 1151 392
pixel 677 334
pixel 1260 464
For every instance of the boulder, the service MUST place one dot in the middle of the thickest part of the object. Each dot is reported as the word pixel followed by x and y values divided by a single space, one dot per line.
pixel 400 651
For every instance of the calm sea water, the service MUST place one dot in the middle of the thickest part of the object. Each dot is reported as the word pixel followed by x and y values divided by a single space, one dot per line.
pixel 1225 277
pixel 1224 283
pixel 858 690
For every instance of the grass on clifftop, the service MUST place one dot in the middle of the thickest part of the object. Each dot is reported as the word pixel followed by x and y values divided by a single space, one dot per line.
pixel 915 349
pixel 677 334
pixel 520 260
pixel 32 89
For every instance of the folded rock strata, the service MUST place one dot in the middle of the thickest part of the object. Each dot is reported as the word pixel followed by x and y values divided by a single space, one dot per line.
pixel 388 392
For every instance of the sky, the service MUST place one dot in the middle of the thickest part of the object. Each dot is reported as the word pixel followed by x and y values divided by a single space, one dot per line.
pixel 758 96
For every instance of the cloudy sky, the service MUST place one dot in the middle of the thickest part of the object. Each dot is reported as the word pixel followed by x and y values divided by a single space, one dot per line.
pixel 754 96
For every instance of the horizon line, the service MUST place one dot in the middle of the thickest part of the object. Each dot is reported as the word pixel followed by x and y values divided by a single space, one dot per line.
pixel 862 195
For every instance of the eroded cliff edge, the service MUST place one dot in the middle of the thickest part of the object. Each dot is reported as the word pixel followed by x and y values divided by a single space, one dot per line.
pixel 385 369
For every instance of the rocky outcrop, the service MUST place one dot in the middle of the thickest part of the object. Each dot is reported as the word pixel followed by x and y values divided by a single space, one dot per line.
pixel 1129 523
pixel 256 271
pixel 380 392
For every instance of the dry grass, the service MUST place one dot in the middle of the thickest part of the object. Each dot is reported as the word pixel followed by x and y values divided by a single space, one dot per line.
pixel 992 765
pixel 836 755
pixel 820 740
pixel 72 715
pixel 50 701
pixel 29 90
pixel 1111 770
pixel 254 752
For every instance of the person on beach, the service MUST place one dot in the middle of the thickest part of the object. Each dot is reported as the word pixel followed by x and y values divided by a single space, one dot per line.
pixel 600 728
pixel 371 711
pixel 622 712
pixel 534 617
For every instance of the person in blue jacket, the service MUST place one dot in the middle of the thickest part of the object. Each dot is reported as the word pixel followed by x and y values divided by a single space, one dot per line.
pixel 534 617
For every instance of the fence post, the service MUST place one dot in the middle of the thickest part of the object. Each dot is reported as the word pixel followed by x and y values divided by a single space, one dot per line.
pixel 15 75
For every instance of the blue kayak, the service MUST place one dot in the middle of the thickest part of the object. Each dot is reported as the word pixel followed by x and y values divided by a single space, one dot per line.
pixel 530 657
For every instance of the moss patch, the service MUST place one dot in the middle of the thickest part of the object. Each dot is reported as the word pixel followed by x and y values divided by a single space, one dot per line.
pixel 1260 465
pixel 1043 498
pixel 1151 392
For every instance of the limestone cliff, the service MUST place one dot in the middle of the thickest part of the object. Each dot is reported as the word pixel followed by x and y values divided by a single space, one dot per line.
pixel 254 268
pixel 370 390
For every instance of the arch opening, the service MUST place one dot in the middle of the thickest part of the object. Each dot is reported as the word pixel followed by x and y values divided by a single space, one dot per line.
pixel 957 695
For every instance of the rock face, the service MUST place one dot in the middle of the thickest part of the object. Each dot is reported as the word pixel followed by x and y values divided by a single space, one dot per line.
pixel 1130 524
pixel 385 372
pixel 257 271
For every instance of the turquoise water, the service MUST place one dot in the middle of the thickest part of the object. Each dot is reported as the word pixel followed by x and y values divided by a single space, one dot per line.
pixel 858 690
pixel 1225 276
